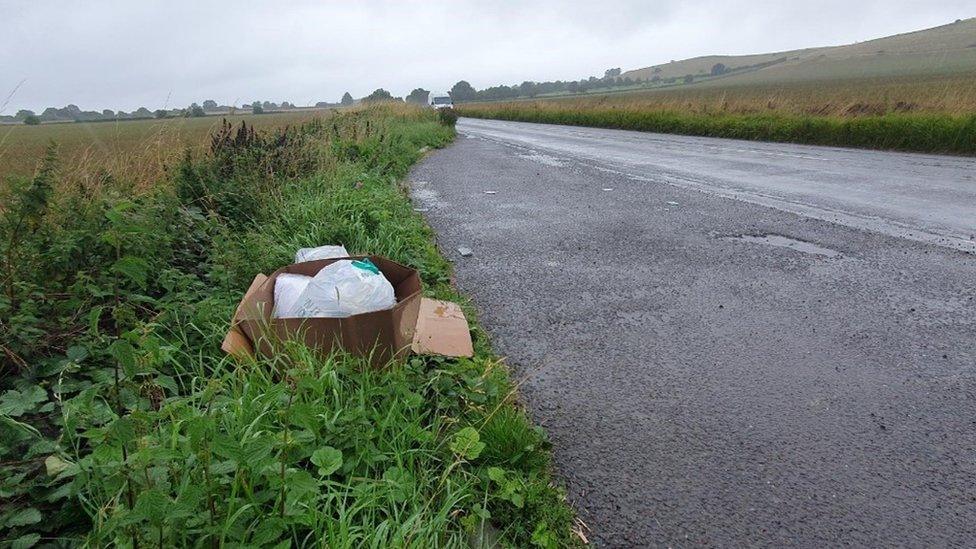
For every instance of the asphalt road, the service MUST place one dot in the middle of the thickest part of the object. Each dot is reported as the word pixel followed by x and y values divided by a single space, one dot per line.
pixel 729 343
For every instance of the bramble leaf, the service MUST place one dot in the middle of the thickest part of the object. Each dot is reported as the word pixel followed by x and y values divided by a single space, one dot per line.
pixel 24 517
pixel 134 268
pixel 15 403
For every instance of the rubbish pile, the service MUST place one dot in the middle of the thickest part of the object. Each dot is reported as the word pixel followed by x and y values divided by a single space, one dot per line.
pixel 367 306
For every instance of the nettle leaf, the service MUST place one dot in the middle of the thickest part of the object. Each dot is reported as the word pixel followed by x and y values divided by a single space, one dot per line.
pixel 94 316
pixel 134 268
pixel 301 482
pixel 327 459
pixel 256 451
pixel 152 506
pixel 15 403
pixel 26 541
pixel 123 429
pixel 123 351
pixel 401 483
pixel 77 353
pixel 268 532
pixel 467 443
pixel 24 517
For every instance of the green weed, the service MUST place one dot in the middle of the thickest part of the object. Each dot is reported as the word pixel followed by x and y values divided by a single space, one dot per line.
pixel 122 423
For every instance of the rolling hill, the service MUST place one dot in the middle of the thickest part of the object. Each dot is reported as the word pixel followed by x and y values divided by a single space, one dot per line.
pixel 946 49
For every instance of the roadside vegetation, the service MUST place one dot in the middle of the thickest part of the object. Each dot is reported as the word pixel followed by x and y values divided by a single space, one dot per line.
pixel 935 115
pixel 122 422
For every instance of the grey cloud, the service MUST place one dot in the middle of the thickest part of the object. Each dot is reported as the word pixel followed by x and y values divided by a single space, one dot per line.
pixel 124 54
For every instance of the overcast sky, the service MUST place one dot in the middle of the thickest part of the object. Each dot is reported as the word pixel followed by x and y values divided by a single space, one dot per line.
pixel 131 53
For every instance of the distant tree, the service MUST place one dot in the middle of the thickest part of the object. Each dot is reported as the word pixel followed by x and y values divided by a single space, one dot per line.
pixel 378 95
pixel 528 89
pixel 142 112
pixel 32 120
pixel 161 113
pixel 322 104
pixel 462 91
pixel 108 113
pixel 689 78
pixel 655 79
pixel 611 73
pixel 209 105
pixel 658 69
pixel 287 105
pixel 23 113
pixel 418 96
pixel 573 87
pixel 268 105
pixel 718 69
pixel 346 100
pixel 195 111
pixel 257 108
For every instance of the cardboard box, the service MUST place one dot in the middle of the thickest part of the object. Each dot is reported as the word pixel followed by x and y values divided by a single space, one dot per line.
pixel 415 324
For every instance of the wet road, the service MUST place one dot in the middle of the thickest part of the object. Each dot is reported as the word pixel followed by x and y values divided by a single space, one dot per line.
pixel 813 388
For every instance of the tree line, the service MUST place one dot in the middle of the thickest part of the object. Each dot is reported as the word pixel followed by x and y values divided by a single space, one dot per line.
pixel 464 91
pixel 73 113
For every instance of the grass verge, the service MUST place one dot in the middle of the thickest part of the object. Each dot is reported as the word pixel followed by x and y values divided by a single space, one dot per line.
pixel 913 132
pixel 121 423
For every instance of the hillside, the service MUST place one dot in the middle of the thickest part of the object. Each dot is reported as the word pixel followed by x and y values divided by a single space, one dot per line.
pixel 940 50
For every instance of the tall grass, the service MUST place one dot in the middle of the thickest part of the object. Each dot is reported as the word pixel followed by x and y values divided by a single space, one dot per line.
pixel 935 115
pixel 137 151
pixel 122 423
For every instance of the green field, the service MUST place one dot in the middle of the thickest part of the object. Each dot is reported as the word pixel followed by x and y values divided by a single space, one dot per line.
pixel 123 424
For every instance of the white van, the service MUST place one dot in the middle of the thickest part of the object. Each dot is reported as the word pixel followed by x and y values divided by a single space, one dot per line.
pixel 440 100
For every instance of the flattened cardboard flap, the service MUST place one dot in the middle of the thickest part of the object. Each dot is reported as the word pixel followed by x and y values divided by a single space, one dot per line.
pixel 236 343
pixel 442 330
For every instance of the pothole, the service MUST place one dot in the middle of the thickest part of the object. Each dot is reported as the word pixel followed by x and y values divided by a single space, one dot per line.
pixel 543 159
pixel 781 241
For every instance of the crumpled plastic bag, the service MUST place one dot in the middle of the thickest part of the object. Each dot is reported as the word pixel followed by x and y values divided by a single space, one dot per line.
pixel 346 288
pixel 288 288
pixel 321 252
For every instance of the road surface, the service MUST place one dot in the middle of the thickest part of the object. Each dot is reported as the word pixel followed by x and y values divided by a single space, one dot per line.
pixel 729 343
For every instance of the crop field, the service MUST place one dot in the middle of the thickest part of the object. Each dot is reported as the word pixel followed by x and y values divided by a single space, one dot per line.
pixel 122 423
pixel 138 150
pixel 934 114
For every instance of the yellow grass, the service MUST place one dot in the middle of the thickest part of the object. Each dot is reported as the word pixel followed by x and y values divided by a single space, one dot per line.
pixel 135 151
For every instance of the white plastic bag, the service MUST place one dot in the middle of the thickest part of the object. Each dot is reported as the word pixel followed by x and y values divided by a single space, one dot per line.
pixel 321 252
pixel 346 288
pixel 288 288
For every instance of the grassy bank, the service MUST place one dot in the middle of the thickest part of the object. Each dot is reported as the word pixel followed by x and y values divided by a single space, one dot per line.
pixel 121 422
pixel 934 115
